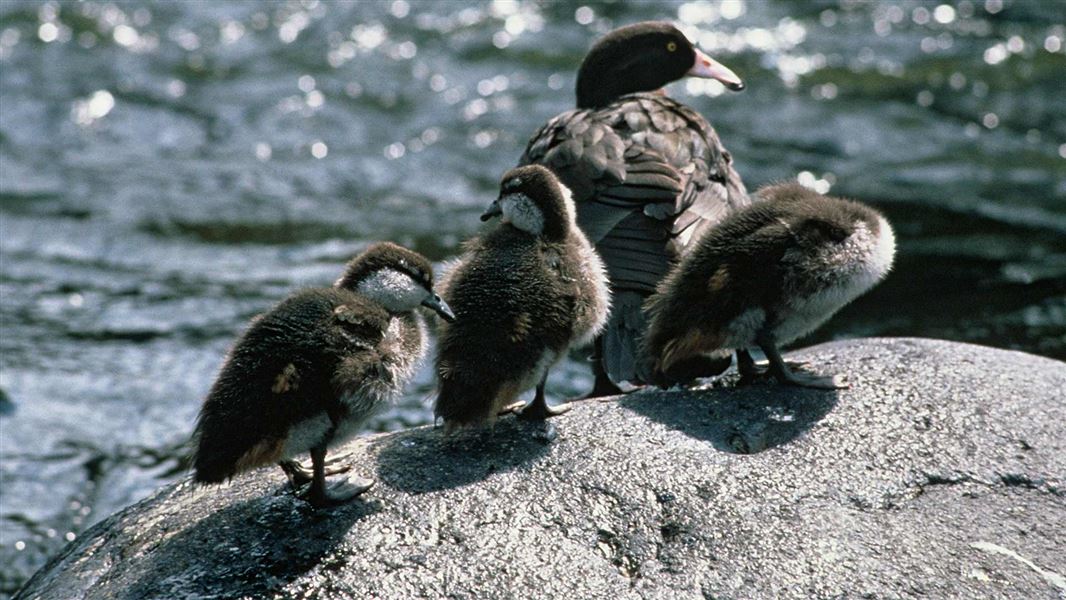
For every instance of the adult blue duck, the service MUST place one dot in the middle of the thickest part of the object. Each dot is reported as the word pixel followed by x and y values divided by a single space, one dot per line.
pixel 648 175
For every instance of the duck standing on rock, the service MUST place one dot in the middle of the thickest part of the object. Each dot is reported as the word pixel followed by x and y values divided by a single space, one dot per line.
pixel 648 174
pixel 309 373
pixel 764 277
pixel 523 294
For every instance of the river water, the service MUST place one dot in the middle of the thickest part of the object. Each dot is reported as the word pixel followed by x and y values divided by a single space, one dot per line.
pixel 169 169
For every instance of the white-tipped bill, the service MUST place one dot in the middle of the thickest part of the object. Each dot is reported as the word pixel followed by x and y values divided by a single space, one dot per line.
pixel 709 68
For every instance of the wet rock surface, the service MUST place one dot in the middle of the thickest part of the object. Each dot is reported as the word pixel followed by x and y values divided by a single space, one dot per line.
pixel 938 474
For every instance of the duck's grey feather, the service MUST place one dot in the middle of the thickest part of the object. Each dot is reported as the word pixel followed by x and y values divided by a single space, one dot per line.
pixel 648 175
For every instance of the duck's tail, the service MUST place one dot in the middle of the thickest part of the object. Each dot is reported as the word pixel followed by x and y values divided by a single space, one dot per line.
pixel 624 353
pixel 622 339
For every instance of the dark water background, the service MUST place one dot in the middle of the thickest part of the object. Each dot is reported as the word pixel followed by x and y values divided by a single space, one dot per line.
pixel 169 169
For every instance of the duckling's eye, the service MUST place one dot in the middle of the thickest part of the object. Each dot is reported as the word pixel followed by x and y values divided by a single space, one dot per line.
pixel 671 46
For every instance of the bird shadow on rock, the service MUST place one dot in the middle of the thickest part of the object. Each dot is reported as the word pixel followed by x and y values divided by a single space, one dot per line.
pixel 737 419
pixel 248 549
pixel 428 459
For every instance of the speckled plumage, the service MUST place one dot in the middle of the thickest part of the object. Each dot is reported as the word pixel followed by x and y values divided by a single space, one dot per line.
pixel 649 175
pixel 308 373
pixel 521 300
pixel 766 276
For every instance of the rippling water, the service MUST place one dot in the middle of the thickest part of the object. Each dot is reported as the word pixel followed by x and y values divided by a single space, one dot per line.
pixel 169 169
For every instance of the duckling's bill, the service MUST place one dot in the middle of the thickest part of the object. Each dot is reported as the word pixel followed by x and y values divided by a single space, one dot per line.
pixel 494 210
pixel 439 306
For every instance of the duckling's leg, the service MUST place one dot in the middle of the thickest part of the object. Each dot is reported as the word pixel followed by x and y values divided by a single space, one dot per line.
pixel 538 409
pixel 300 474
pixel 321 495
pixel 779 369
pixel 750 371
pixel 602 386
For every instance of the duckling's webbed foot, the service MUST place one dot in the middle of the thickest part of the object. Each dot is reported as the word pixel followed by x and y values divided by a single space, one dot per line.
pixel 538 409
pixel 300 474
pixel 780 369
pixel 336 492
pixel 751 371
pixel 320 494
pixel 833 382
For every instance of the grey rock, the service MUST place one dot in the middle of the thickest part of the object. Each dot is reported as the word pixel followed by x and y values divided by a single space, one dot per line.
pixel 939 474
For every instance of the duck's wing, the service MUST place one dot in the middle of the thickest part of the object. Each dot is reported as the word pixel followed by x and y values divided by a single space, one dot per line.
pixel 649 176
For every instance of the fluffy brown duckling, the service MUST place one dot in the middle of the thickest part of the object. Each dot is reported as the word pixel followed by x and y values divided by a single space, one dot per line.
pixel 764 277
pixel 648 174
pixel 307 374
pixel 523 294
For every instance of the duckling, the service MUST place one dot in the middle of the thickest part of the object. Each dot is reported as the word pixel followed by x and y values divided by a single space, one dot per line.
pixel 649 174
pixel 523 293
pixel 307 374
pixel 764 277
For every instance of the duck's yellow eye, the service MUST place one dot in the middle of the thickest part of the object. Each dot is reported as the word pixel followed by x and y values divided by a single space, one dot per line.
pixel 671 46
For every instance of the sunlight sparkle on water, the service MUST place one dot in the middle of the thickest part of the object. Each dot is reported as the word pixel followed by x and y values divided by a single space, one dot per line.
pixel 697 12
pixel 231 31
pixel 996 54
pixel 125 35
pixel 944 14
pixel 731 9
pixel 176 88
pixel 808 180
pixel 400 9
pixel 705 87
pixel 263 151
pixel 291 28
pixel 395 150
pixel 503 8
pixel 584 15
pixel 96 106
pixel 48 32
pixel 368 36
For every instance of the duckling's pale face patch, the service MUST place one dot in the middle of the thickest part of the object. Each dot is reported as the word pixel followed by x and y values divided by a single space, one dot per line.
pixel 519 210
pixel 395 290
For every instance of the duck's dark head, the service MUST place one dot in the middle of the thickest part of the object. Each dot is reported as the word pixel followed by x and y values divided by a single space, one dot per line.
pixel 643 57
pixel 534 200
pixel 395 277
